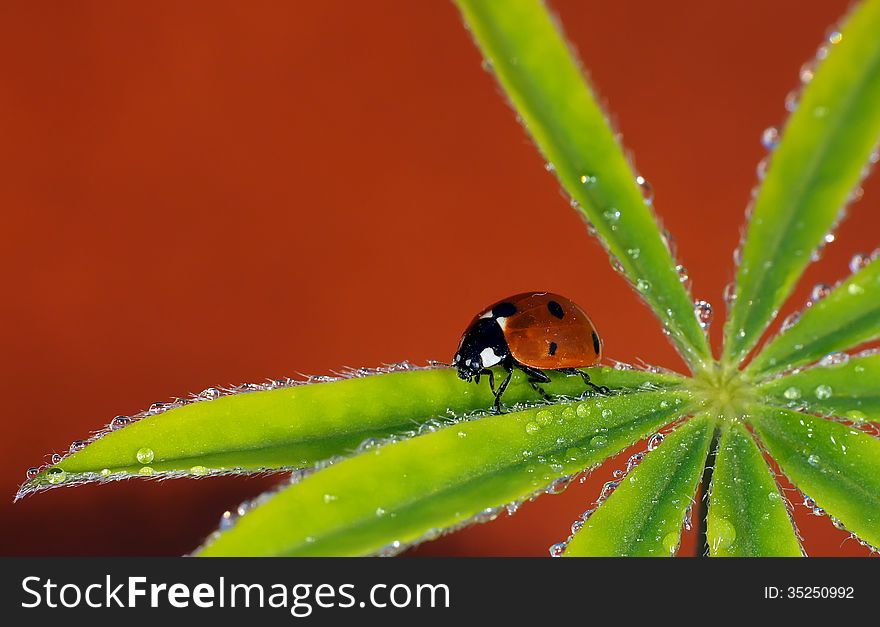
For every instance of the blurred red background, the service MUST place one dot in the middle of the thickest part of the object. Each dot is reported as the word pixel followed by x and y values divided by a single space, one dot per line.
pixel 211 193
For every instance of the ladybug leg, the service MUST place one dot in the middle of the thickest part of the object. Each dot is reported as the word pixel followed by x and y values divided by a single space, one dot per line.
pixel 601 389
pixel 491 375
pixel 498 393
pixel 535 377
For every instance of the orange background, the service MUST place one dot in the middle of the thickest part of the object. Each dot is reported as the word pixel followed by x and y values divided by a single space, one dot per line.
pixel 202 193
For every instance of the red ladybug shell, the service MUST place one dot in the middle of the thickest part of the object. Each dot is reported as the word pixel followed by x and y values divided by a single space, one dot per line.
pixel 549 332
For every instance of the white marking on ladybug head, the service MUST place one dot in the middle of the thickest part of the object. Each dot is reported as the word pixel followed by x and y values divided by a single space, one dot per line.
pixel 489 358
pixel 488 314
pixel 502 322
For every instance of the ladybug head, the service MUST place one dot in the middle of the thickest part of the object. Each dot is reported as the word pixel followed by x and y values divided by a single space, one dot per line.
pixel 468 366
pixel 482 346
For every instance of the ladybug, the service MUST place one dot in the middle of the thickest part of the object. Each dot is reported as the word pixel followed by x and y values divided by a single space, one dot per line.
pixel 532 332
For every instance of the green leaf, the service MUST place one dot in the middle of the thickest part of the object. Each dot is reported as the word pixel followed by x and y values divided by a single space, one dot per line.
pixel 834 464
pixel 850 390
pixel 644 515
pixel 747 514
pixel 827 141
pixel 386 499
pixel 298 426
pixel 847 317
pixel 535 67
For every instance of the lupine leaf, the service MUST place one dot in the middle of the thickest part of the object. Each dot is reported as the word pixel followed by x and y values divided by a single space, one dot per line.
pixel 747 514
pixel 847 317
pixel 404 492
pixel 644 515
pixel 295 427
pixel 850 390
pixel 545 84
pixel 826 143
pixel 834 464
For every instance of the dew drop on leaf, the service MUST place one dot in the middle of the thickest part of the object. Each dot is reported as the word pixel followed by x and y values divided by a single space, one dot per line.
pixel 770 137
pixel 119 422
pixel 55 476
pixel 723 533
pixel 703 312
pixel 145 455
pixel 823 392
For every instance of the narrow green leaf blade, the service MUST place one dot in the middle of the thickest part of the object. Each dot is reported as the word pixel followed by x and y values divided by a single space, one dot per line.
pixel 847 317
pixel 835 465
pixel 298 426
pixel 850 390
pixel 386 499
pixel 747 514
pixel 643 517
pixel 536 69
pixel 827 141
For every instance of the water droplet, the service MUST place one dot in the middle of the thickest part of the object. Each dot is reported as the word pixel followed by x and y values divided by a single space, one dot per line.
pixel 558 549
pixel 643 286
pixel 722 532
pixel 857 416
pixel 820 291
pixel 583 410
pixel 858 261
pixel 823 392
pixel 146 471
pixel 32 472
pixel 792 393
pixel 835 37
pixel 655 441
pixel 209 394
pixel 198 471
pixel 598 441
pixel 532 427
pixel 646 188
pixel 790 321
pixel 763 166
pixel 834 359
pixel 227 520
pixel 854 289
pixel 543 417
pixel 56 458
pixel 588 180
pixel 612 215
pixel 791 100
pixel 76 446
pixel 158 408
pixel 105 472
pixel 577 525
pixel 807 71
pixel 55 476
pixel 606 413
pixel 633 252
pixel 682 273
pixel 549 167
pixel 770 137
pixel 729 294
pixel 820 112
pixel 703 312
pixel 670 543
pixel 329 498
pixel 145 455
pixel 617 265
pixel 119 422
pixel 813 460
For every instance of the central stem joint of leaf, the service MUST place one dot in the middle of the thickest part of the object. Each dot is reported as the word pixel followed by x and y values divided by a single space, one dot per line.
pixel 723 392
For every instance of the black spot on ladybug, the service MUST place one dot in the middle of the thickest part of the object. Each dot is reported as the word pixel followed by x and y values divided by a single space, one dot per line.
pixel 596 345
pixel 555 309
pixel 553 348
pixel 504 310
